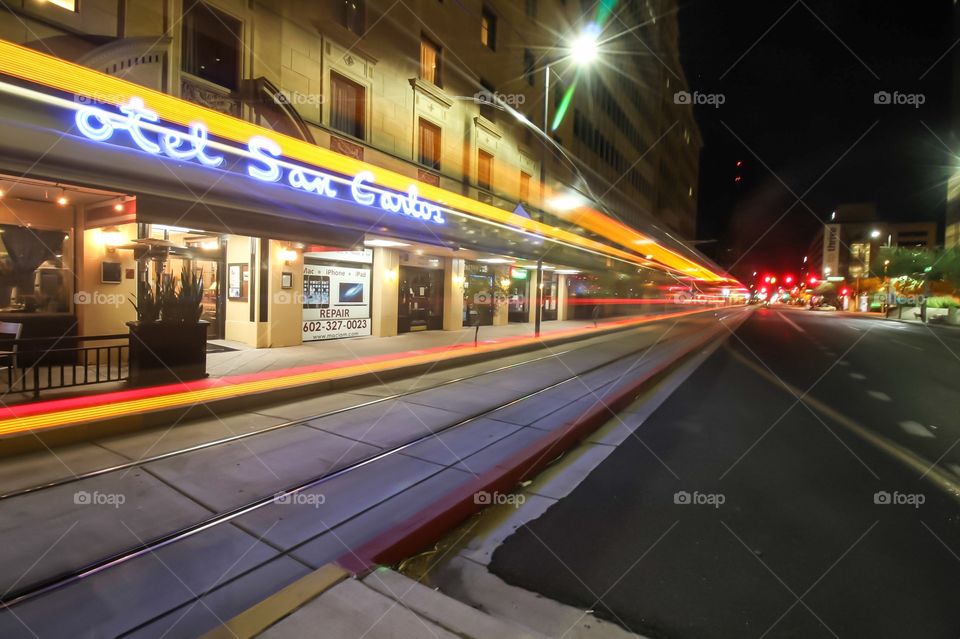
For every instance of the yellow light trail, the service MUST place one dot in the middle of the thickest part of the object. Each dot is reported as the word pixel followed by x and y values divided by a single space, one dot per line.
pixel 39 68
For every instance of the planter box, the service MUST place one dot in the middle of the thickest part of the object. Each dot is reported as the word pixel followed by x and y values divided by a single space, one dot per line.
pixel 163 353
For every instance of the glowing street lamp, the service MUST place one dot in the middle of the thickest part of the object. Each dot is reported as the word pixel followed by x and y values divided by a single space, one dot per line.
pixel 584 49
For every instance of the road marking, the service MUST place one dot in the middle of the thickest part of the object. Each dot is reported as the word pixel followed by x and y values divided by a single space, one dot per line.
pixel 946 482
pixel 883 397
pixel 790 322
pixel 843 362
pixel 916 348
pixel 857 375
pixel 915 428
pixel 955 468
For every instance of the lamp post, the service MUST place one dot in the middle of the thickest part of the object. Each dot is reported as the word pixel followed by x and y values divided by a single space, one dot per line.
pixel 582 51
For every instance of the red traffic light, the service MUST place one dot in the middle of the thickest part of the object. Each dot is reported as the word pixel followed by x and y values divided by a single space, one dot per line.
pixel 788 279
pixel 813 279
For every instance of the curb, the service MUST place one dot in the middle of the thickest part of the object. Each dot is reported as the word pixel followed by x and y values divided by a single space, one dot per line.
pixel 432 522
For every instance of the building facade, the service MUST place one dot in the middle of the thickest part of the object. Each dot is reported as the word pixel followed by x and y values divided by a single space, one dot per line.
pixel 849 242
pixel 335 169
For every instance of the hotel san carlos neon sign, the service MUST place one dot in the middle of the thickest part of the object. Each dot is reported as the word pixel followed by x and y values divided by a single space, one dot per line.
pixel 265 155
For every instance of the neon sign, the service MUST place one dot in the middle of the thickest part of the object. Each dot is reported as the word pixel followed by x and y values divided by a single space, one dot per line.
pixel 265 155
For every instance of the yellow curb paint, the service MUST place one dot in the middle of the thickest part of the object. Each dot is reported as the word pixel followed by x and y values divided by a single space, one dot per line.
pixel 254 620
pixel 48 421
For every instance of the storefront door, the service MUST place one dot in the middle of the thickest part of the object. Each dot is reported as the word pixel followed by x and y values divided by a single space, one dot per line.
pixel 420 300
pixel 478 295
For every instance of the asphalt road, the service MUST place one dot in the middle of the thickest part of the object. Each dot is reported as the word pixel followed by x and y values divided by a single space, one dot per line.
pixel 738 511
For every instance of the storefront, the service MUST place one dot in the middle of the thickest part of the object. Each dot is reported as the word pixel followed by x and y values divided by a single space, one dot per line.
pixel 518 295
pixel 551 295
pixel 478 294
pixel 336 293
pixel 135 187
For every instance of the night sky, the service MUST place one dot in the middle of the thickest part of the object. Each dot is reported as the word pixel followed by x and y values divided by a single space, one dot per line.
pixel 799 100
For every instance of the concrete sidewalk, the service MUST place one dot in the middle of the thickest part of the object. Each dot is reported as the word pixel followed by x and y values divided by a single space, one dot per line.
pixel 258 378
pixel 247 360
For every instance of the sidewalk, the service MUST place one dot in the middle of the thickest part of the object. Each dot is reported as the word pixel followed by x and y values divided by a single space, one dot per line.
pixel 242 377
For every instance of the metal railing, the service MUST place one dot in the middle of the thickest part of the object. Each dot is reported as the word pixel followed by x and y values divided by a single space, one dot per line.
pixel 38 364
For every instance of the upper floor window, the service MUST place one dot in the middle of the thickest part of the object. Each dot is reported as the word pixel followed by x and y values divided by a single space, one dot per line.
pixel 347 106
pixel 488 101
pixel 484 169
pixel 529 66
pixel 69 5
pixel 429 62
pixel 531 9
pixel 524 186
pixel 488 29
pixel 352 15
pixel 429 145
pixel 211 44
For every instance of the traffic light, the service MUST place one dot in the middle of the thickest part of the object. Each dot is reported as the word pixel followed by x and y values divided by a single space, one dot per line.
pixel 788 279
pixel 844 291
pixel 813 279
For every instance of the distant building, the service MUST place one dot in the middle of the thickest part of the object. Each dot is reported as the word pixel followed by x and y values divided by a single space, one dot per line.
pixel 851 238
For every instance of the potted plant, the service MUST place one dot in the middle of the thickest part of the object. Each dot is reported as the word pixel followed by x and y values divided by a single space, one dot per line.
pixel 168 342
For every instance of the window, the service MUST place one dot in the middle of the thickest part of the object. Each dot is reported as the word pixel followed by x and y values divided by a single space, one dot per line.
pixel 484 170
pixel 211 45
pixel 429 145
pixel 488 29
pixel 347 106
pixel 352 15
pixel 69 5
pixel 429 62
pixel 524 187
pixel 529 64
pixel 488 100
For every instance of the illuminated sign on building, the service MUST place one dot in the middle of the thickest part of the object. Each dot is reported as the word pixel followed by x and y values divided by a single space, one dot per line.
pixel 265 155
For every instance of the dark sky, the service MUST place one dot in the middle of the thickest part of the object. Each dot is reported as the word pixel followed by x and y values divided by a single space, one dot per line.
pixel 799 100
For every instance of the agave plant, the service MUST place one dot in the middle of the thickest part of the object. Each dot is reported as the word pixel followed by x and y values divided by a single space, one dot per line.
pixel 148 310
pixel 169 310
pixel 190 296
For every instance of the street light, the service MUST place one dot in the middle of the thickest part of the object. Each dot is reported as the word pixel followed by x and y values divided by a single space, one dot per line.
pixel 584 48
pixel 875 233
pixel 582 51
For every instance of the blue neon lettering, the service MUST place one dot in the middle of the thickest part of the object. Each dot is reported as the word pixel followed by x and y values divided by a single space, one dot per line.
pixel 361 195
pixel 262 149
pixel 265 165
pixel 100 125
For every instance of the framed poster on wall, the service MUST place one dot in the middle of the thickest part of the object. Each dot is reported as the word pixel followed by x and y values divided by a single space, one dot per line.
pixel 336 301
pixel 238 282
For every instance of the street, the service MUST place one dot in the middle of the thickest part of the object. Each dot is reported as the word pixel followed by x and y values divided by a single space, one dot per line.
pixel 737 510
